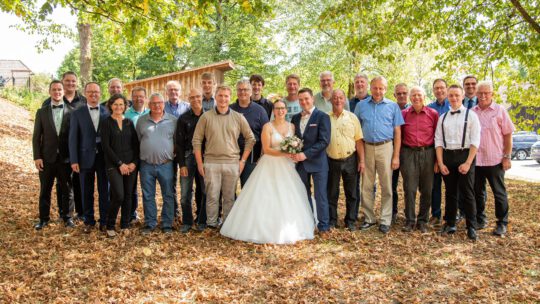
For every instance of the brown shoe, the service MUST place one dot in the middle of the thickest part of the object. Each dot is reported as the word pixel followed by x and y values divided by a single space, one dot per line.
pixel 435 221
pixel 422 227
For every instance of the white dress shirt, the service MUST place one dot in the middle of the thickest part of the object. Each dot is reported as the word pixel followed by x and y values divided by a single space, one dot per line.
pixel 94 114
pixel 304 119
pixel 453 130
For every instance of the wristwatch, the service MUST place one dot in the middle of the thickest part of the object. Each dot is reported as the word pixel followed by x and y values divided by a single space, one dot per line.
pixel 242 161
pixel 507 156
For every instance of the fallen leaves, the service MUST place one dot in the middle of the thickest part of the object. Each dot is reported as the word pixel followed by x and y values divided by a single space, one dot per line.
pixel 62 266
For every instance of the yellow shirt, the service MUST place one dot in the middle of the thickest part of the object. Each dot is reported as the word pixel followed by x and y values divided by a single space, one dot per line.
pixel 346 131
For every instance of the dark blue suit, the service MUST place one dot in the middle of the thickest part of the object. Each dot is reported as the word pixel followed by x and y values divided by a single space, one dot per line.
pixel 85 150
pixel 316 138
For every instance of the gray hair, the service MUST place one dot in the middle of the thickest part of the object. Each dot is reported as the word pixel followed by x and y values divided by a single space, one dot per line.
pixel 173 83
pixel 381 79
pixel 418 88
pixel 401 84
pixel 326 73
pixel 485 83
pixel 361 75
pixel 244 81
pixel 114 79
pixel 158 95
pixel 336 91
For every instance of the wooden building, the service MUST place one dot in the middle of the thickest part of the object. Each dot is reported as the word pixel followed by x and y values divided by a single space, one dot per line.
pixel 189 78
pixel 14 73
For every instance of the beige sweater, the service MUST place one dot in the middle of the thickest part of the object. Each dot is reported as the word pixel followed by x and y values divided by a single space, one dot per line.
pixel 220 134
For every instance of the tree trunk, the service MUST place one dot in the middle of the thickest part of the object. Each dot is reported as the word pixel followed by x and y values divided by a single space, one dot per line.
pixel 85 59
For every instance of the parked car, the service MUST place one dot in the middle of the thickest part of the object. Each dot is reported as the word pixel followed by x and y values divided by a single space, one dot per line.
pixel 522 143
pixel 535 152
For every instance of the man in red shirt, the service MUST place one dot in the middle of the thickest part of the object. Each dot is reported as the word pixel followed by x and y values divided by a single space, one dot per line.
pixel 417 158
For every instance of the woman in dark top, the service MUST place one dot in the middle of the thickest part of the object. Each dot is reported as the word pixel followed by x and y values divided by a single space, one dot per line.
pixel 121 147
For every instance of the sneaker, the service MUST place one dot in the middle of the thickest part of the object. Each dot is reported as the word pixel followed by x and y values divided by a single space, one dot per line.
pixel 366 225
pixel 111 233
pixel 500 230
pixel 185 228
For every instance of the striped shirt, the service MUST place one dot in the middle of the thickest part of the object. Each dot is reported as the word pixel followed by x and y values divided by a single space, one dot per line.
pixel 495 123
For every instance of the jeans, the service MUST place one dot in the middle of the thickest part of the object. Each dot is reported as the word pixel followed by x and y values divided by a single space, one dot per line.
pixel 163 173
pixel 186 186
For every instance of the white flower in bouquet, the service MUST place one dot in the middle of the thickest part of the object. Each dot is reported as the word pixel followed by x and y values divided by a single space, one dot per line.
pixel 292 144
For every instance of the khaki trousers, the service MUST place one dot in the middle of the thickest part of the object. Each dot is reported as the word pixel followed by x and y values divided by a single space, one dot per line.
pixel 378 162
pixel 219 177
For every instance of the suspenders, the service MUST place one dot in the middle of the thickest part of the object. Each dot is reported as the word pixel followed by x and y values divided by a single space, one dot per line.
pixel 464 129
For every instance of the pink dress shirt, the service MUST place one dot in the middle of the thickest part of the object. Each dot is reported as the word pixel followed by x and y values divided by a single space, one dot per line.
pixel 419 128
pixel 495 123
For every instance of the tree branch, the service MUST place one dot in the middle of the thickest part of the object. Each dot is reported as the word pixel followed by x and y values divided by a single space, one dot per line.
pixel 526 15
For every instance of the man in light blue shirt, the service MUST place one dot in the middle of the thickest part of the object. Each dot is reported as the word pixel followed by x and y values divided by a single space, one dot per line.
pixel 175 107
pixel 381 120
pixel 441 105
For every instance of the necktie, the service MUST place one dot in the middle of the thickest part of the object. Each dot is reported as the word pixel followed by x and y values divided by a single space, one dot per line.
pixel 94 108
pixel 58 106
pixel 455 112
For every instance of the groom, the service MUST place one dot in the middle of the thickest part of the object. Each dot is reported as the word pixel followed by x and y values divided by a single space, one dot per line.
pixel 313 126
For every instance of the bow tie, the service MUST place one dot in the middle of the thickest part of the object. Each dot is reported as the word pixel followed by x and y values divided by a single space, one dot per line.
pixel 58 106
pixel 94 108
pixel 305 113
pixel 455 112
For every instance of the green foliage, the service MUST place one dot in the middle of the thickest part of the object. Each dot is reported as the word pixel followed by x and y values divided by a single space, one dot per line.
pixel 30 100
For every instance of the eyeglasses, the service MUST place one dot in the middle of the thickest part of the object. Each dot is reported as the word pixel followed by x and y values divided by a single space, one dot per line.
pixel 242 90
pixel 484 93
pixel 280 108
pixel 92 92
pixel 401 94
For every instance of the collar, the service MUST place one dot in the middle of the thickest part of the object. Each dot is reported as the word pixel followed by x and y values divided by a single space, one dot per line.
pixel 61 102
pixel 249 105
pixel 204 99
pixel 462 108
pixel 338 116
pixel 445 101
pixel 411 109
pixel 310 111
pixel 384 100
pixel 219 113
pixel 89 106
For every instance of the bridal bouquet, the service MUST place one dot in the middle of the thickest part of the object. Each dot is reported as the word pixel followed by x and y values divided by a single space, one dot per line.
pixel 291 144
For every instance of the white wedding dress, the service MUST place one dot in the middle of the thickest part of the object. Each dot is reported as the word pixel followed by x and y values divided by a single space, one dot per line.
pixel 273 206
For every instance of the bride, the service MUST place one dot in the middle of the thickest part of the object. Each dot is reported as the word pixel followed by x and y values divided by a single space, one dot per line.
pixel 273 206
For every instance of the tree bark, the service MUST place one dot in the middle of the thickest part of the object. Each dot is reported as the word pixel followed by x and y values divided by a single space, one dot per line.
pixel 526 15
pixel 85 59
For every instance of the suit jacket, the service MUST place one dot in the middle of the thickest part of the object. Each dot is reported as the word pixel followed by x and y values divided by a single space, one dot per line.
pixel 46 143
pixel 316 138
pixel 82 136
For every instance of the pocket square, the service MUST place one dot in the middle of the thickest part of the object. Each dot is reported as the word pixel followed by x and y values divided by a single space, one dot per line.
pixel 312 125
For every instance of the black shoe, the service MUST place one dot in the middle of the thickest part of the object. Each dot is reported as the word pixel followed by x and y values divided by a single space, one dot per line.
pixel 200 227
pixel 185 228
pixel 422 227
pixel 394 218
pixel 147 230
pixel 167 230
pixel 102 227
pixel 471 233
pixel 384 228
pixel 408 227
pixel 481 225
pixel 459 218
pixel 366 225
pixel 88 228
pixel 41 224
pixel 69 223
pixel 351 227
pixel 500 230
pixel 446 229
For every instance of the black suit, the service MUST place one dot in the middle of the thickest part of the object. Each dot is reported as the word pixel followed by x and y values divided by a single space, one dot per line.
pixel 52 148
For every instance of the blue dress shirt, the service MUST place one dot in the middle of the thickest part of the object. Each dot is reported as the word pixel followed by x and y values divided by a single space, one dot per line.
pixel 440 108
pixel 378 119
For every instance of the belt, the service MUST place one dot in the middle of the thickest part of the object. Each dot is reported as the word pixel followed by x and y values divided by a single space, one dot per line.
pixel 342 159
pixel 456 150
pixel 422 148
pixel 378 143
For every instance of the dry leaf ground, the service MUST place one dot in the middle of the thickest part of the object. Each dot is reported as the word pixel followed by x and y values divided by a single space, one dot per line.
pixel 61 266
